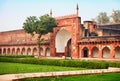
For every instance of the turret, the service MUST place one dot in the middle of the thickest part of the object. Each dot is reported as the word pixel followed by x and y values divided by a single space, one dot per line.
pixel 77 10
pixel 51 12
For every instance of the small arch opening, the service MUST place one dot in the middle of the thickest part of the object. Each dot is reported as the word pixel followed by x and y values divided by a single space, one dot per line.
pixel 4 51
pixel 18 51
pixel 48 52
pixel 41 51
pixel 29 51
pixel 85 52
pixel 8 50
pixel 13 51
pixel 117 52
pixel 35 51
pixel 23 51
pixel 106 52
pixel 95 52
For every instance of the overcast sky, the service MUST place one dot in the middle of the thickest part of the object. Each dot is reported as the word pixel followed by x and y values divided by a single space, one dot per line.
pixel 14 12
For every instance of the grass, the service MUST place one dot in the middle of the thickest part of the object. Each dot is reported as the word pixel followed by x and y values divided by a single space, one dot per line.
pixel 11 68
pixel 97 77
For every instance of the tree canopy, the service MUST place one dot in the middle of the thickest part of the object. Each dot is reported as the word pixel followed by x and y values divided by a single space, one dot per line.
pixel 41 25
pixel 115 16
pixel 102 18
pixel 30 24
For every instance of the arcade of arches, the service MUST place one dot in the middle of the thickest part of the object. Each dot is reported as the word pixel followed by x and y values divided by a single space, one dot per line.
pixel 100 52
pixel 86 51
pixel 44 51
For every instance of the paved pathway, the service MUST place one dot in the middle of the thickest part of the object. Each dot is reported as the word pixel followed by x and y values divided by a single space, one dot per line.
pixel 15 77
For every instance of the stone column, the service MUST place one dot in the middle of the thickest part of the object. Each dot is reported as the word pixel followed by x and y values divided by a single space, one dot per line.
pixel 52 44
pixel 2 50
pixel 20 50
pixel 26 51
pixel 6 51
pixel 75 37
pixel 32 51
pixel 100 52
pixel 112 52
pixel 44 52
pixel 90 53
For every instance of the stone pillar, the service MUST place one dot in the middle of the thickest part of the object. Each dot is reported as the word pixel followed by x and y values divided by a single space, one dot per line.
pixel 112 52
pixel 90 53
pixel 52 44
pixel 32 51
pixel 26 51
pixel 75 37
pixel 80 52
pixel 44 51
pixel 100 53
pixel 6 51
pixel 2 50
pixel 20 50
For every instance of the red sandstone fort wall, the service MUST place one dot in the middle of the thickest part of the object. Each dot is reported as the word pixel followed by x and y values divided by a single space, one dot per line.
pixel 19 36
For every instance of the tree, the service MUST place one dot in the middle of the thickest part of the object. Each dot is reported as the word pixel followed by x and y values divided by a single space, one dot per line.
pixel 115 16
pixel 41 26
pixel 102 18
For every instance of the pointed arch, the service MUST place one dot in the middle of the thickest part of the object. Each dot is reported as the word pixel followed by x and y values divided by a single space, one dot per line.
pixel 13 50
pixel 23 51
pixel 106 52
pixel 4 51
pixel 47 51
pixel 18 51
pixel 41 51
pixel 29 51
pixel 95 52
pixel 8 50
pixel 117 52
pixel 61 40
pixel 35 51
pixel 85 52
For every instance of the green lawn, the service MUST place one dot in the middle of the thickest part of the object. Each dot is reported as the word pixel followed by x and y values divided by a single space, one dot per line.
pixel 10 68
pixel 97 77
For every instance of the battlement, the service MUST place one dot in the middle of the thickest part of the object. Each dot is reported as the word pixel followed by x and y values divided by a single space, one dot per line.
pixel 66 17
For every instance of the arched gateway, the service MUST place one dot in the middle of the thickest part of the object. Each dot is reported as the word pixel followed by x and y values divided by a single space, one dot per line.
pixel 65 37
pixel 63 42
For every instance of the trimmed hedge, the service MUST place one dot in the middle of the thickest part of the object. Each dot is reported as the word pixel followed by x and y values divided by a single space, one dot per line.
pixel 56 62
pixel 114 64
pixel 16 56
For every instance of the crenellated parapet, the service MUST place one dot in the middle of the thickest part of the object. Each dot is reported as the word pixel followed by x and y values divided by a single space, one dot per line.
pixel 66 17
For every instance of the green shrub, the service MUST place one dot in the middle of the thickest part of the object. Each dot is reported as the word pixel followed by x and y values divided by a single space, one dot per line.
pixel 114 64
pixel 55 62
pixel 17 56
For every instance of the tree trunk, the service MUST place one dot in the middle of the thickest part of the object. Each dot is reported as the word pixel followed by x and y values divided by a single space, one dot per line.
pixel 39 37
